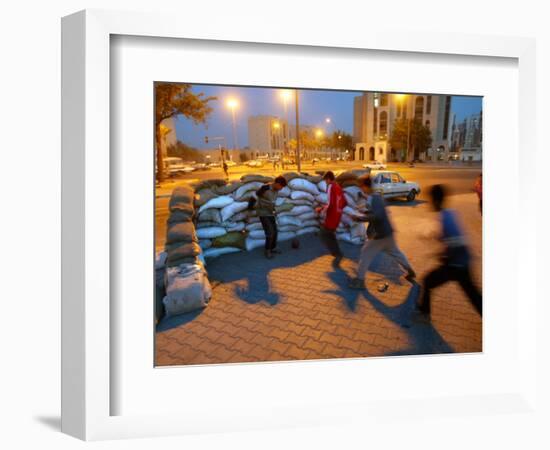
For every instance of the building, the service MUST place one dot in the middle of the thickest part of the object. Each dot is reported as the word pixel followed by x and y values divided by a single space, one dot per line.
pixel 374 117
pixel 473 138
pixel 267 136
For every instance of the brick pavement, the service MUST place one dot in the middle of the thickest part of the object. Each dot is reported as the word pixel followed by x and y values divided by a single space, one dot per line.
pixel 296 306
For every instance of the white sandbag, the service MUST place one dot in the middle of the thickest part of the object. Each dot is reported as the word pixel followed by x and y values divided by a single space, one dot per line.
pixel 301 202
pixel 253 219
pixel 257 234
pixel 279 201
pixel 322 198
pixel 288 228
pixel 213 252
pixel 233 226
pixel 302 195
pixel 307 230
pixel 347 220
pixel 251 243
pixel 310 223
pixel 288 220
pixel 346 237
pixel 187 289
pixel 218 202
pixel 350 200
pixel 211 233
pixel 233 208
pixel 252 186
pixel 358 230
pixel 354 191
pixel 286 236
pixel 352 212
pixel 254 226
pixel 301 209
pixel 205 243
pixel 300 184
pixel 307 216
pixel 238 217
pixel 322 186
pixel 284 192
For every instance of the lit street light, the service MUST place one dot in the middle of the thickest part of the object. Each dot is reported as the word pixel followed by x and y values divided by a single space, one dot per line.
pixel 233 104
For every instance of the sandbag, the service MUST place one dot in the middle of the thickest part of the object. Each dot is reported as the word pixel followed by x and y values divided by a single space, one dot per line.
pixel 300 184
pixel 234 239
pixel 178 215
pixel 289 176
pixel 350 200
pixel 348 175
pixel 252 243
pixel 211 232
pixel 228 188
pixel 256 177
pixel 217 203
pixel 288 228
pixel 215 252
pixel 247 187
pixel 302 195
pixel 288 220
pixel 238 217
pixel 347 220
pixel 210 184
pixel 322 186
pixel 322 198
pixel 233 226
pixel 257 234
pixel 308 215
pixel 301 202
pixel 254 226
pixel 301 209
pixel 358 230
pixel 286 236
pixel 286 207
pixel 284 192
pixel 180 232
pixel 346 237
pixel 160 260
pixel 210 215
pixel 182 197
pixel 354 191
pixel 279 201
pixel 202 196
pixel 187 289
pixel 205 243
pixel 310 223
pixel 207 224
pixel 179 253
pixel 352 212
pixel 314 178
pixel 232 208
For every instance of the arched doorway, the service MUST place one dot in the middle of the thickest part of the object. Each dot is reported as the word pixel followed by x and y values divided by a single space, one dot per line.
pixel 371 154
pixel 362 153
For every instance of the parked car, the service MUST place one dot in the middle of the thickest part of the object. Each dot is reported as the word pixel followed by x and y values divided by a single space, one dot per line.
pixel 214 164
pixel 255 163
pixel 230 163
pixel 375 165
pixel 392 185
pixel 174 165
pixel 201 166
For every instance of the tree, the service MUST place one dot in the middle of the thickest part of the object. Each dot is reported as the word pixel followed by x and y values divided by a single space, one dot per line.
pixel 172 99
pixel 420 135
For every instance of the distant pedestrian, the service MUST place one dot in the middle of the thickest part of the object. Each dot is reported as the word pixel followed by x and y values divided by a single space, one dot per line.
pixel 225 170
pixel 478 187
pixel 455 260
pixel 332 213
pixel 265 209
pixel 380 238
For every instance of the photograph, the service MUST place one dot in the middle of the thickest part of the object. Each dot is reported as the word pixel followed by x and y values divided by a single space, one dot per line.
pixel 300 224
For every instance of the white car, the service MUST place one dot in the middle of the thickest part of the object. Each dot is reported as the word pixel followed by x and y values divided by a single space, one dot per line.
pixel 375 165
pixel 392 185
pixel 255 163
pixel 230 163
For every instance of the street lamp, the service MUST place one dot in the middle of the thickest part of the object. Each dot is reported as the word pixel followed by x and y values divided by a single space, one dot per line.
pixel 233 104
pixel 286 95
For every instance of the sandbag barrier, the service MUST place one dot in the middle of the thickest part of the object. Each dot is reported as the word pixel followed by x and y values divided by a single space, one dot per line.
pixel 213 219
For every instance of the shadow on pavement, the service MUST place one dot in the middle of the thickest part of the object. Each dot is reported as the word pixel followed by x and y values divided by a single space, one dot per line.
pixel 401 203
pixel 167 323
pixel 423 337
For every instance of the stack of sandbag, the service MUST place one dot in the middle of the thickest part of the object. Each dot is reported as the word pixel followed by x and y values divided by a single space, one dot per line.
pixel 186 286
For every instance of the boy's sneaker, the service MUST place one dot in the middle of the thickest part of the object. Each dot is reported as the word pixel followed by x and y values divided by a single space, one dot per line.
pixel 356 283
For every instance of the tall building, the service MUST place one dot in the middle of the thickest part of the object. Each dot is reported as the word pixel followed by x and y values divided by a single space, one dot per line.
pixel 266 135
pixel 374 117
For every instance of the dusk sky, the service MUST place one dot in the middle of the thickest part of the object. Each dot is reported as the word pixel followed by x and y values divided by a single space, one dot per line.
pixel 315 107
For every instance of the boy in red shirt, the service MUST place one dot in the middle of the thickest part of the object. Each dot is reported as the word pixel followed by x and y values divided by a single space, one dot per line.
pixel 333 214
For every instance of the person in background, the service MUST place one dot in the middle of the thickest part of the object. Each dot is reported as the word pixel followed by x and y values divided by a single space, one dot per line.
pixel 265 208
pixel 225 170
pixel 332 213
pixel 455 260
pixel 380 237
pixel 478 188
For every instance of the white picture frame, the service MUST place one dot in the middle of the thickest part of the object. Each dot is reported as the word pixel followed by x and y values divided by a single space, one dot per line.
pixel 87 385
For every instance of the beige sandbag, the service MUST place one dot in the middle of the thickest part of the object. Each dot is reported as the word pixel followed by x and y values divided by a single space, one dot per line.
pixel 234 239
pixel 228 188
pixel 288 176
pixel 210 184
pixel 179 253
pixel 256 177
pixel 180 232
pixel 202 196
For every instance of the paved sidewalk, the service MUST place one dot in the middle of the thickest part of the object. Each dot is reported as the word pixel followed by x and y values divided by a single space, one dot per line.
pixel 296 306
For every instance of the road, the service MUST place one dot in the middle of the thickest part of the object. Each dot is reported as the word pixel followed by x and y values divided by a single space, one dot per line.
pixel 459 179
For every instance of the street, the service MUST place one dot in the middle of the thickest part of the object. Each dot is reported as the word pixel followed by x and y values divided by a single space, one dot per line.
pixel 297 306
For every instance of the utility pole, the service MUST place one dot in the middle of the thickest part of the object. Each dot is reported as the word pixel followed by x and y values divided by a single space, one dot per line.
pixel 298 160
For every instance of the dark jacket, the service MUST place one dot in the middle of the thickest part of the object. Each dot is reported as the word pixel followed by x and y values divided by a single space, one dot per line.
pixel 379 222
